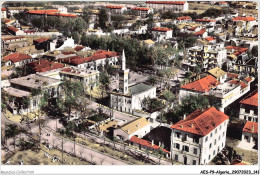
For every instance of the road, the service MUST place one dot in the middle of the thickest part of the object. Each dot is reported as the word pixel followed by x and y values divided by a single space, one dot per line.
pixel 81 150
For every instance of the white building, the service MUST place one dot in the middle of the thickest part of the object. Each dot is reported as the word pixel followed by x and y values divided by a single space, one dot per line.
pixel 62 9
pixel 213 56
pixel 30 87
pixel 142 11
pixel 116 9
pixel 244 23
pixel 3 13
pixel 197 139
pixel 161 33
pixel 249 107
pixel 138 127
pixel 177 6
pixel 250 133
pixel 17 59
pixel 128 98
pixel 89 78
pixel 226 92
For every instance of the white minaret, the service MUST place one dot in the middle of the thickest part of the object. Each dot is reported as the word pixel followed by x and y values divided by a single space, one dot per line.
pixel 123 76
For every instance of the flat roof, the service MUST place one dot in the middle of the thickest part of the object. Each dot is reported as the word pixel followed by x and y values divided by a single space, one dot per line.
pixel 16 92
pixel 35 81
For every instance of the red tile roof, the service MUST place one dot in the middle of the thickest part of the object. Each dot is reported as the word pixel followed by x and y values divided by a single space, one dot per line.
pixel 166 2
pixel 67 52
pixel 251 99
pixel 7 20
pixel 12 38
pixel 241 83
pixel 251 127
pixel 161 29
pixel 146 143
pixel 79 48
pixel 51 12
pixel 45 65
pixel 201 32
pixel 223 2
pixel 210 38
pixel 12 28
pixel 16 57
pixel 40 40
pixel 236 162
pixel 140 8
pixel 114 6
pixel 29 31
pixel 239 50
pixel 240 18
pixel 41 12
pixel 202 85
pixel 100 54
pixel 183 18
pixel 3 9
pixel 205 20
pixel 248 79
pixel 201 122
pixel 192 28
pixel 232 75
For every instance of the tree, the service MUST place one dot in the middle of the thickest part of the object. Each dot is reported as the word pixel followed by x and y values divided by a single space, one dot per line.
pixel 104 82
pixel 37 23
pixel 103 18
pixel 152 79
pixel 170 97
pixel 80 24
pixel 72 91
pixel 11 131
pixel 76 36
pixel 86 15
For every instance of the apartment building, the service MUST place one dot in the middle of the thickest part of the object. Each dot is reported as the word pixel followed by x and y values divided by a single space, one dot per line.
pixel 249 107
pixel 89 78
pixel 176 6
pixel 30 87
pixel 161 33
pixel 3 13
pixel 142 11
pixel 198 138
pixel 250 133
pixel 208 56
pixel 116 9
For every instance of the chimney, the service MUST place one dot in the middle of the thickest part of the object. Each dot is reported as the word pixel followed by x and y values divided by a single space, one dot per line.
pixel 159 144
pixel 152 142
pixel 184 116
pixel 39 62
pixel 181 126
pixel 192 125
pixel 253 128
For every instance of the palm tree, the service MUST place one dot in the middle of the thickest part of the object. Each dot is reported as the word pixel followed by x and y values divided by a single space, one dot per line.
pixel 11 131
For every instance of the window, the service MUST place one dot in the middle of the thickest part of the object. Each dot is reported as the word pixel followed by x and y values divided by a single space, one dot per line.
pixel 206 139
pixel 247 110
pixel 176 157
pixel 204 161
pixel 220 127
pixel 196 140
pixel 216 130
pixel 210 134
pixel 209 157
pixel 177 145
pixel 222 144
pixel 223 134
pixel 210 145
pixel 185 148
pixel 215 141
pixel 195 151
pixel 218 137
pixel 256 111
pixel 244 117
pixel 178 135
pixel 194 162
pixel 218 149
